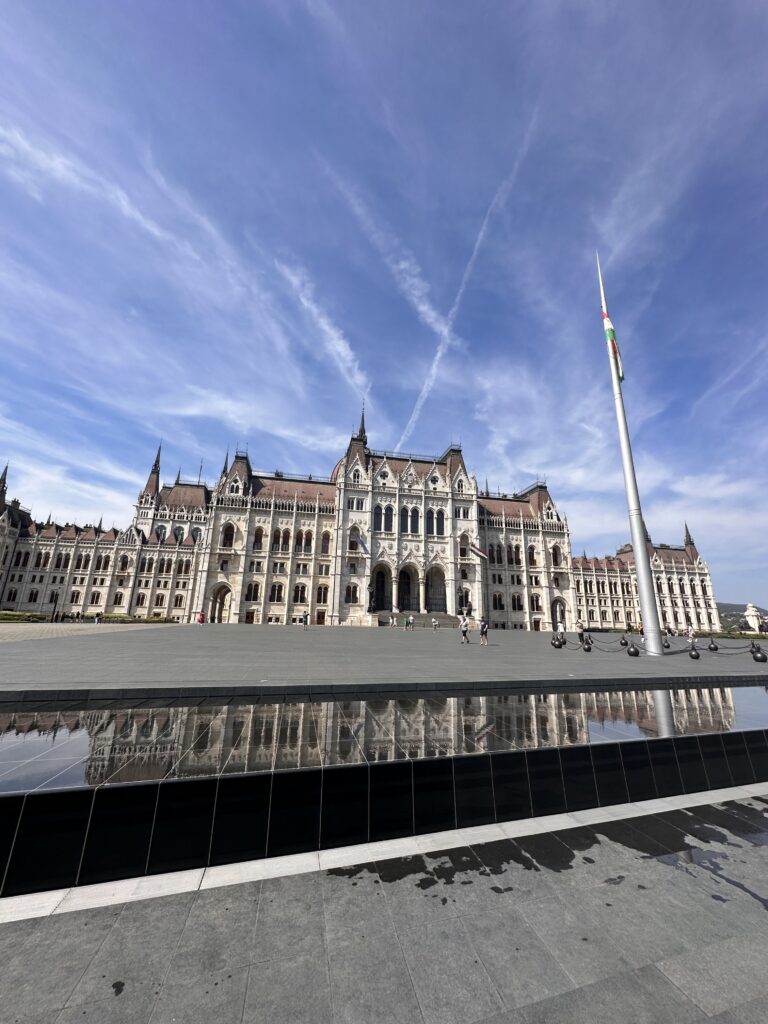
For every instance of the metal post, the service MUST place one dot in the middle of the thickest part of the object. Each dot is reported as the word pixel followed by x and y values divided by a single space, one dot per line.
pixel 665 722
pixel 648 610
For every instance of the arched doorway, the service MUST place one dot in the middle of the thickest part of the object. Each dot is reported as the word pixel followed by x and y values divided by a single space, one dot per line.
pixel 220 600
pixel 407 590
pixel 382 588
pixel 558 612
pixel 436 590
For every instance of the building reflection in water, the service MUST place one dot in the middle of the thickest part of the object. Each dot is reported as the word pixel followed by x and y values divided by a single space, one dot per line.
pixel 181 742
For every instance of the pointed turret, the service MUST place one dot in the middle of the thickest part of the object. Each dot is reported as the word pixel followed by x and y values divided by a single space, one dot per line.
pixel 361 434
pixel 4 478
pixel 225 470
pixel 178 476
pixel 688 538
pixel 100 527
pixel 152 486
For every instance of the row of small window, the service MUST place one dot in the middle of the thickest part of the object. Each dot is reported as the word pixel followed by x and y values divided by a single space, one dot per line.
pixel 613 587
pixel 161 584
pixel 277 593
pixel 383 519
pixel 281 540
pixel 515 603
pixel 356 478
pixel 515 580
pixel 515 557
pixel 62 561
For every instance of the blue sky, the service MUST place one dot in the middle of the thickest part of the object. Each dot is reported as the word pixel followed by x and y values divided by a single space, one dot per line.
pixel 225 223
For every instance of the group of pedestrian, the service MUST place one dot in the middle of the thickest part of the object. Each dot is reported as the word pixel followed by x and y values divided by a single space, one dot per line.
pixel 464 629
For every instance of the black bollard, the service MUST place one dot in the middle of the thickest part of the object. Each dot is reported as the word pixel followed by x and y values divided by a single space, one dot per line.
pixel 666 644
pixel 632 651
pixel 712 646
pixel 624 642
pixel 758 655
pixel 693 653
pixel 554 641
pixel 586 646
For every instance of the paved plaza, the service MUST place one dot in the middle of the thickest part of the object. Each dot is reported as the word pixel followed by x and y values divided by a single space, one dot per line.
pixel 250 659
pixel 656 917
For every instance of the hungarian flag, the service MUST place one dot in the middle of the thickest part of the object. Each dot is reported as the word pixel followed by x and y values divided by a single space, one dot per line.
pixel 613 347
pixel 477 550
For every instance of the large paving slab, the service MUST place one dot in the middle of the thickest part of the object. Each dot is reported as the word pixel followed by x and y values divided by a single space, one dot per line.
pixel 459 936
pixel 253 659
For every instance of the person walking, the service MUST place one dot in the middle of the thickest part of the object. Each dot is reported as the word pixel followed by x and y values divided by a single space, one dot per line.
pixel 690 636
pixel 580 630
pixel 434 624
pixel 561 631
pixel 410 622
pixel 483 632
pixel 464 626
pixel 305 620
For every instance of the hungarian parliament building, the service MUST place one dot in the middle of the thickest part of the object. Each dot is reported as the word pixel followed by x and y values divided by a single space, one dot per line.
pixel 387 534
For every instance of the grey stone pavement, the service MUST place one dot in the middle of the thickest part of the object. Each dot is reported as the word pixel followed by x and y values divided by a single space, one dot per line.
pixel 269 657
pixel 656 918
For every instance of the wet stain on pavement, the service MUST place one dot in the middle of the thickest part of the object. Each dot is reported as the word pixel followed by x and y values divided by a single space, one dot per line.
pixel 118 987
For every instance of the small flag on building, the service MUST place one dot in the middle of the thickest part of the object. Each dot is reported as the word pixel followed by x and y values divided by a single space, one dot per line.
pixel 361 542
pixel 477 550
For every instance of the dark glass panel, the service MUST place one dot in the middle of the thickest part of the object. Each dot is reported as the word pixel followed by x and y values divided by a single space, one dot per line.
pixel 691 765
pixel 546 779
pixel 757 747
pixel 474 790
pixel 735 746
pixel 715 762
pixel 609 773
pixel 345 806
pixel 10 809
pixel 49 841
pixel 638 771
pixel 511 791
pixel 433 801
pixel 294 818
pixel 183 823
pixel 579 778
pixel 666 770
pixel 241 818
pixel 391 800
pixel 119 833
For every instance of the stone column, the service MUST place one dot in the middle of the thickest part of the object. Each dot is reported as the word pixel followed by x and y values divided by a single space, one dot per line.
pixel 422 595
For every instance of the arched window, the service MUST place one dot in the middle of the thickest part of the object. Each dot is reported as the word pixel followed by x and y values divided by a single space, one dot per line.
pixel 430 522
pixel 463 546
pixel 300 593
pixel 95 597
pixel 258 539
pixel 350 595
pixel 517 603
pixel 228 536
pixel 141 599
pixel 518 556
pixel 414 520
pixel 308 542
pixel 17 560
pixel 460 487
pixel 178 601
pixel 178 533
pixel 509 554
pixel 298 542
pixel 464 574
pixel 197 533
pixel 150 564
pixel 498 602
pixel 46 559
pixel 531 555
pixel 159 600
pixel 252 592
pixel 535 603
pixel 160 531
pixel 33 596
pixel 377 518
pixel 325 543
pixel 286 541
pixel 118 598
pixel 491 555
pixel 389 515
pixel 78 563
pixel 187 567
pixel 234 487
pixel 356 477
pixel 143 565
pixel 499 555
pixel 276 593
pixel 105 563
pixel 66 562
pixel 86 562
pixel 39 559
pixel 322 595
pixel 440 523
pixel 556 556
pixel 75 597
pixel 403 520
pixel 354 538
pixel 56 566
pixel 276 540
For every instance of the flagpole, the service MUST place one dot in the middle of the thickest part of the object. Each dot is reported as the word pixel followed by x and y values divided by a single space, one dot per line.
pixel 648 611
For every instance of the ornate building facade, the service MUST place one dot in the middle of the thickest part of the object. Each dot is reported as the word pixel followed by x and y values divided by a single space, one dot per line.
pixel 386 533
